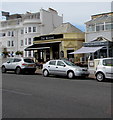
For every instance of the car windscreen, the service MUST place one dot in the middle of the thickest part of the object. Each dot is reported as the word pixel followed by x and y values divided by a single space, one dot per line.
pixel 69 63
pixel 28 60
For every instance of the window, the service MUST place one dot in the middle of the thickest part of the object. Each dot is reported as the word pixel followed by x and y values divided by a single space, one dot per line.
pixel 26 41
pixel 29 29
pixel 52 62
pixel 29 53
pixel 17 60
pixel 8 44
pixel 99 26
pixel 12 34
pixel 109 26
pixel 90 28
pixel 29 41
pixel 34 29
pixel 12 43
pixel 108 62
pixel 21 42
pixel 60 63
pixel 26 30
pixel 22 31
pixel 28 60
pixel 9 33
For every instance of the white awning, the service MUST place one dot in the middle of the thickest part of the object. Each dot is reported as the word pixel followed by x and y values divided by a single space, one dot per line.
pixel 86 50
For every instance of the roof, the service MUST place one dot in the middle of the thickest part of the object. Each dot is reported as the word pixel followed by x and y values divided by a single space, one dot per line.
pixel 105 18
pixel 66 28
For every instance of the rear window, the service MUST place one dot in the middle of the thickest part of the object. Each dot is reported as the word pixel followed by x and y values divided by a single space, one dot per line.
pixel 28 60
pixel 108 62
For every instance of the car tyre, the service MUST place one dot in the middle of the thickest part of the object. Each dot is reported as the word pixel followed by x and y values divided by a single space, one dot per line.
pixel 18 70
pixel 3 69
pixel 100 77
pixel 70 75
pixel 45 73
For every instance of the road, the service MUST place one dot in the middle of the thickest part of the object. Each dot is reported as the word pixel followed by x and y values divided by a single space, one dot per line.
pixel 35 96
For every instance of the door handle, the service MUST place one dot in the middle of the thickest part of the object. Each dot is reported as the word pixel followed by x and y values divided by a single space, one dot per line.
pixel 48 66
pixel 56 67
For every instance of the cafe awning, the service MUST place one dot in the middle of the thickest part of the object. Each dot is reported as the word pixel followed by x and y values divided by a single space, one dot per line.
pixel 87 50
pixel 41 46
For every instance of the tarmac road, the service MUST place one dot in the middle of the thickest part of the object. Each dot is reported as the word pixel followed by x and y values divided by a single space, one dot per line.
pixel 35 96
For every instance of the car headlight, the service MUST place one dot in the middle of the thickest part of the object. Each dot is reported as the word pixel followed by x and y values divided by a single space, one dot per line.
pixel 78 69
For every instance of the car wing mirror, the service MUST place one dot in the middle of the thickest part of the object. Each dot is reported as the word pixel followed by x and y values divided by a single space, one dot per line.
pixel 8 61
pixel 64 65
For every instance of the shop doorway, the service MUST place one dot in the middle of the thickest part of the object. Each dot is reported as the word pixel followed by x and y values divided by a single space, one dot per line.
pixel 70 56
pixel 55 50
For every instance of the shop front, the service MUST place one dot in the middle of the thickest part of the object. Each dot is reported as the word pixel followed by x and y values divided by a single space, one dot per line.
pixel 56 46
pixel 98 48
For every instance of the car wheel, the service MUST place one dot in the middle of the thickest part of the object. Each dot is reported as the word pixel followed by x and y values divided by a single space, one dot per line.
pixel 45 73
pixel 70 75
pixel 100 77
pixel 18 70
pixel 3 69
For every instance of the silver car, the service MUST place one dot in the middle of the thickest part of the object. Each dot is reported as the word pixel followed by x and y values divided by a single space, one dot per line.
pixel 104 69
pixel 19 65
pixel 63 68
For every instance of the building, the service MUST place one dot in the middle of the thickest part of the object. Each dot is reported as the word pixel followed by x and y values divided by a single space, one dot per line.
pixel 18 30
pixel 98 37
pixel 64 39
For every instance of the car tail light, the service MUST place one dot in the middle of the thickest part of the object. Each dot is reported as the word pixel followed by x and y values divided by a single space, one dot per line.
pixel 24 64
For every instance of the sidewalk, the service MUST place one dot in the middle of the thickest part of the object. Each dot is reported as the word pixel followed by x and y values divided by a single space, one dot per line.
pixel 38 71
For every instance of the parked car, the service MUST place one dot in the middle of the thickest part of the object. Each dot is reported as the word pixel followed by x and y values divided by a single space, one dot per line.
pixel 19 65
pixel 104 69
pixel 64 68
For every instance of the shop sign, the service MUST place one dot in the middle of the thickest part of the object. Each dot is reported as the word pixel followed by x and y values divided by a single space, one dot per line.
pixel 95 44
pixel 48 37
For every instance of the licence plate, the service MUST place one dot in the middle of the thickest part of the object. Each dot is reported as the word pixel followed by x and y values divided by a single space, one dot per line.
pixel 30 65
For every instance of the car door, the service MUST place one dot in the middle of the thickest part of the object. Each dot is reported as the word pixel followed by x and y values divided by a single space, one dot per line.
pixel 60 68
pixel 51 67
pixel 9 64
pixel 15 63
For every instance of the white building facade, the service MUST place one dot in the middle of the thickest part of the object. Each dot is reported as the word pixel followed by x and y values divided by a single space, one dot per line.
pixel 100 25
pixel 18 30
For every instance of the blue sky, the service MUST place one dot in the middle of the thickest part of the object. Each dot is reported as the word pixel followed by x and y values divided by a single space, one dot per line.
pixel 77 13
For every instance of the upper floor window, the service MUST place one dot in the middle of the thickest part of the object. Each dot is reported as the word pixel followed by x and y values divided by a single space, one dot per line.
pixel 3 34
pixel 8 43
pixel 29 29
pixel 29 41
pixel 12 34
pixel 26 30
pixel 21 42
pixel 99 26
pixel 26 41
pixel 34 29
pixel 108 26
pixel 22 31
pixel 91 28
pixel 9 33
pixel 12 43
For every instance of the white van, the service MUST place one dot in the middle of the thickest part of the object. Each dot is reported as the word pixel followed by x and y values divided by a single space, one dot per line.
pixel 104 69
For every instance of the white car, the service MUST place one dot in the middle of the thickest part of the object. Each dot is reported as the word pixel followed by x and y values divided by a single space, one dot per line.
pixel 63 68
pixel 19 65
pixel 104 69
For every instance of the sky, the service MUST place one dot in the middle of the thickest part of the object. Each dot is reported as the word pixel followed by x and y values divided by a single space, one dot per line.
pixel 77 13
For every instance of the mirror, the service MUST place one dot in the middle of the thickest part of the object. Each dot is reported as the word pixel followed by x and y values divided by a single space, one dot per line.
pixel 8 61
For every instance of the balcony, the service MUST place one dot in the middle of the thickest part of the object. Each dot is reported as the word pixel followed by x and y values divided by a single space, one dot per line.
pixel 28 21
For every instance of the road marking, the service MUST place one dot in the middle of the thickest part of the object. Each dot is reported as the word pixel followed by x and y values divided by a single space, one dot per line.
pixel 15 92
